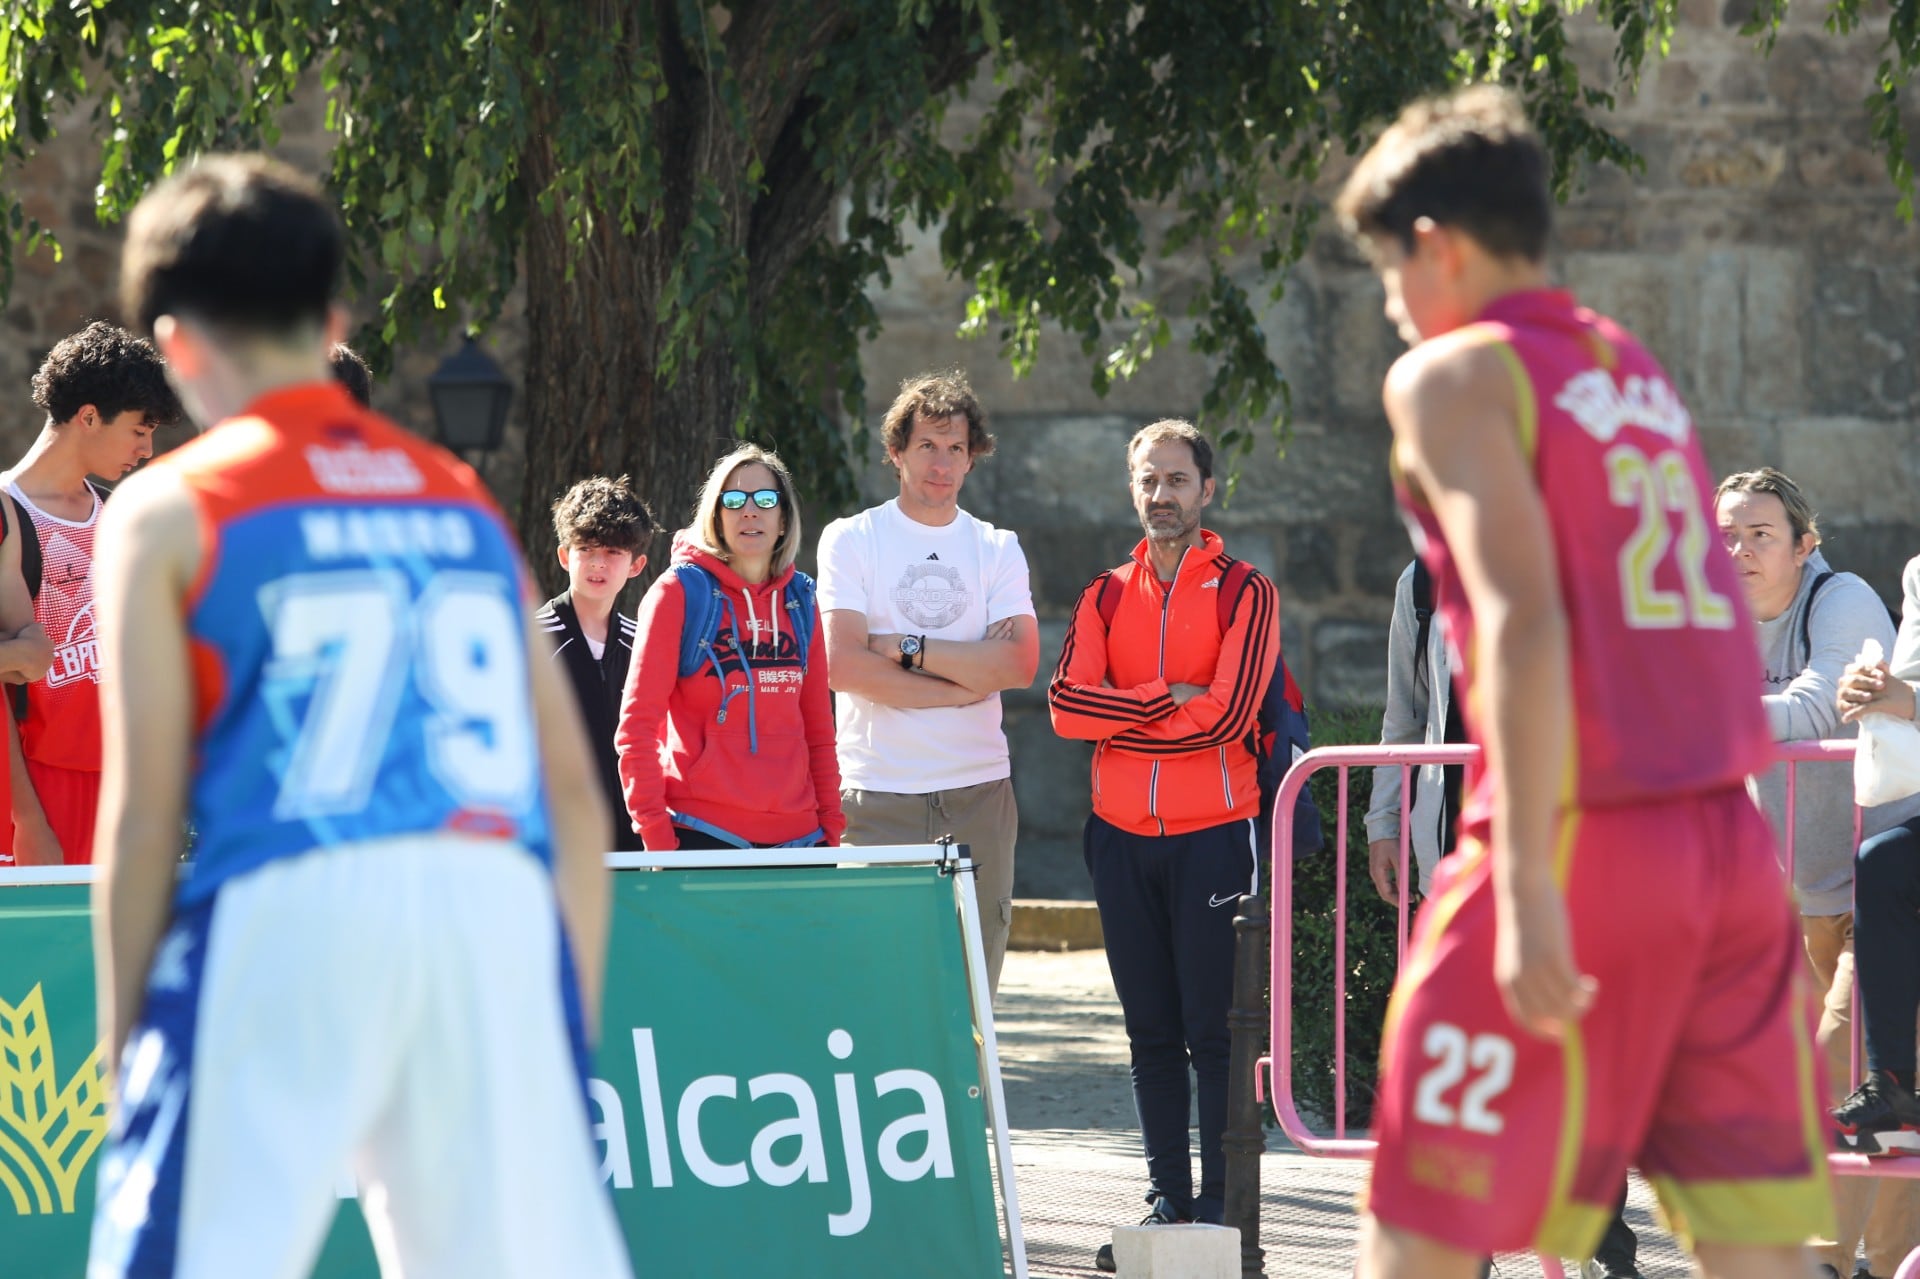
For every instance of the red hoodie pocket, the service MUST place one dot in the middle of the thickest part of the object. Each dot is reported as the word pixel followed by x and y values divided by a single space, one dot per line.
pixel 778 778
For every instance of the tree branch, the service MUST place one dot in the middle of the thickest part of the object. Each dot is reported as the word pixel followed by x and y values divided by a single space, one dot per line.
pixel 797 194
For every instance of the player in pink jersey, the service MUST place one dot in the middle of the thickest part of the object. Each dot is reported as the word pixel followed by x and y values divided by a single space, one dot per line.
pixel 1608 973
pixel 105 393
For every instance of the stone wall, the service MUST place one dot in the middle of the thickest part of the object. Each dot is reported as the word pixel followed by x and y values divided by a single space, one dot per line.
pixel 1758 254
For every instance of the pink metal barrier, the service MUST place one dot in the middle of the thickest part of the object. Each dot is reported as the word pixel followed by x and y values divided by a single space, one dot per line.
pixel 1279 1064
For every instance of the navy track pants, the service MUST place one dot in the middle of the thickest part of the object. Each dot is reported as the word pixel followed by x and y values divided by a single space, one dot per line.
pixel 1167 904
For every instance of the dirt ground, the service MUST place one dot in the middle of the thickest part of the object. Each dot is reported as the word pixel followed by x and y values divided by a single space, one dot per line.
pixel 1063 1050
pixel 1077 1150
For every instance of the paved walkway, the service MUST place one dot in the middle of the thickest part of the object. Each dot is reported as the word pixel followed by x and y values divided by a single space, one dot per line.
pixel 1077 1150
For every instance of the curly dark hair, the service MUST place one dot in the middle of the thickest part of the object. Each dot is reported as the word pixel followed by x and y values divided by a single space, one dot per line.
pixel 603 512
pixel 109 368
pixel 938 396
pixel 352 372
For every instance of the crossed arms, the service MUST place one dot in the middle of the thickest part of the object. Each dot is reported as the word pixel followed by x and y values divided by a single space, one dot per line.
pixel 1158 717
pixel 949 672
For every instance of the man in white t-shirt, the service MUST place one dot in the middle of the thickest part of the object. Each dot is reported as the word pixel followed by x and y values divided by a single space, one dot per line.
pixel 928 616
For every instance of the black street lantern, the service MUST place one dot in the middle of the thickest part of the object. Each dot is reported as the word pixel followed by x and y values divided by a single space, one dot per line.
pixel 470 397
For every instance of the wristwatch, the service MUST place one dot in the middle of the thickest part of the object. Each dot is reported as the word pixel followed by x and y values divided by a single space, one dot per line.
pixel 910 649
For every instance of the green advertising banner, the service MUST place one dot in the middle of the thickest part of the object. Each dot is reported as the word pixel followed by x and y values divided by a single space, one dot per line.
pixel 53 1109
pixel 787 1082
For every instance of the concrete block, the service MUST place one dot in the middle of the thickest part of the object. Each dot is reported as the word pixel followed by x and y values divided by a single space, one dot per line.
pixel 1383 554
pixel 1330 470
pixel 1858 469
pixel 1313 563
pixel 1858 352
pixel 1293 327
pixel 1177 1252
pixel 1359 344
pixel 1349 663
pixel 1875 550
pixel 1055 925
pixel 1650 294
pixel 1773 372
pixel 1719 371
pixel 1061 469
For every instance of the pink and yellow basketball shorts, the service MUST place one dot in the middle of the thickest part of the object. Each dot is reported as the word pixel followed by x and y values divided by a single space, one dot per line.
pixel 1694 1064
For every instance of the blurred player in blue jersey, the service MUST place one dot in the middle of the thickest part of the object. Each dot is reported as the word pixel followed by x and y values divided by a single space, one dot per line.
pixel 314 646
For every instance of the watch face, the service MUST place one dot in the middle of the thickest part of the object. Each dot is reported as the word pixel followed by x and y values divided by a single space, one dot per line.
pixel 910 644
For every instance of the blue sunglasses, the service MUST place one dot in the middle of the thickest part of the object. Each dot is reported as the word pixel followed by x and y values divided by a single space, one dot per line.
pixel 735 499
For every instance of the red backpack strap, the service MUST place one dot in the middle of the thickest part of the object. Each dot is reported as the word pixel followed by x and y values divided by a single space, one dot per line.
pixel 1231 582
pixel 1291 690
pixel 1111 585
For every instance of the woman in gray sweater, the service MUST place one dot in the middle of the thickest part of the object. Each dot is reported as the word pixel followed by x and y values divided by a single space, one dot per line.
pixel 1812 621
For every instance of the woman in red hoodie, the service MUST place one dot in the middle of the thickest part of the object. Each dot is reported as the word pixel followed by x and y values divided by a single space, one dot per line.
pixel 726 734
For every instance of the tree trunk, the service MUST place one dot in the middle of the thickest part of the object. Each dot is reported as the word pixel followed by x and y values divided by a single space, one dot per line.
pixel 596 401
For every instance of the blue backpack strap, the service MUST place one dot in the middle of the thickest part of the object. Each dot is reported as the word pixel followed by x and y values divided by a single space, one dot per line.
pixel 1292 738
pixel 1806 616
pixel 720 833
pixel 800 595
pixel 703 612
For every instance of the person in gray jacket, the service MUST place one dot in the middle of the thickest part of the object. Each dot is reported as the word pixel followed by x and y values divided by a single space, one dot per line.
pixel 1812 622
pixel 1419 712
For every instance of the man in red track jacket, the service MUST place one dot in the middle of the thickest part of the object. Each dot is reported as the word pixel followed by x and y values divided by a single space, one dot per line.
pixel 1170 703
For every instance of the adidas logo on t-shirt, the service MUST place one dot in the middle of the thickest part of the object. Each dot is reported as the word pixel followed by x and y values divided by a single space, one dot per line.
pixel 934 555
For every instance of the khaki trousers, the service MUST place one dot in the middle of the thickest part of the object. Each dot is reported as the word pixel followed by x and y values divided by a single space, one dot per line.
pixel 982 817
pixel 1886 1211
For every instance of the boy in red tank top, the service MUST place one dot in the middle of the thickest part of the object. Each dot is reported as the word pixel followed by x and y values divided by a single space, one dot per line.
pixel 1608 973
pixel 104 392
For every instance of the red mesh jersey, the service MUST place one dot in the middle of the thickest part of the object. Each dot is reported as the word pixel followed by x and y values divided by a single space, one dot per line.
pixel 62 727
pixel 1664 662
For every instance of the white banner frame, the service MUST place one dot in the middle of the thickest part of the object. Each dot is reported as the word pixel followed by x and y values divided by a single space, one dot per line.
pixel 949 859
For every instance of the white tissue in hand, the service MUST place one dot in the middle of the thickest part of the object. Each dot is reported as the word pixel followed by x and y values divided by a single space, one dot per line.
pixel 1886 761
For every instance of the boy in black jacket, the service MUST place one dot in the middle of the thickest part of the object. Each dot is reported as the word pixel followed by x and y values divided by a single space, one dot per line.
pixel 603 528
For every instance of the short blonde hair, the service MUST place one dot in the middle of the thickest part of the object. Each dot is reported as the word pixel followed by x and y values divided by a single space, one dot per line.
pixel 706 509
pixel 1801 517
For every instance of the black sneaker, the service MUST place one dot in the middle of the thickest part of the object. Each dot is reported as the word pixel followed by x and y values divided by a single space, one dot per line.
pixel 1879 1118
pixel 1163 1214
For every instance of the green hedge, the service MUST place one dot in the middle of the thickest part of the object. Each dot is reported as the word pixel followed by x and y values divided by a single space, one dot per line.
pixel 1370 938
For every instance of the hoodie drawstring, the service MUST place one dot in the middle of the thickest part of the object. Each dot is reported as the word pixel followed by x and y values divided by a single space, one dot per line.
pixel 780 593
pixel 745 649
pixel 728 694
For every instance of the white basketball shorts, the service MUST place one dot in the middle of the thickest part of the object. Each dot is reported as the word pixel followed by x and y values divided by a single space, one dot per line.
pixel 391 1006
